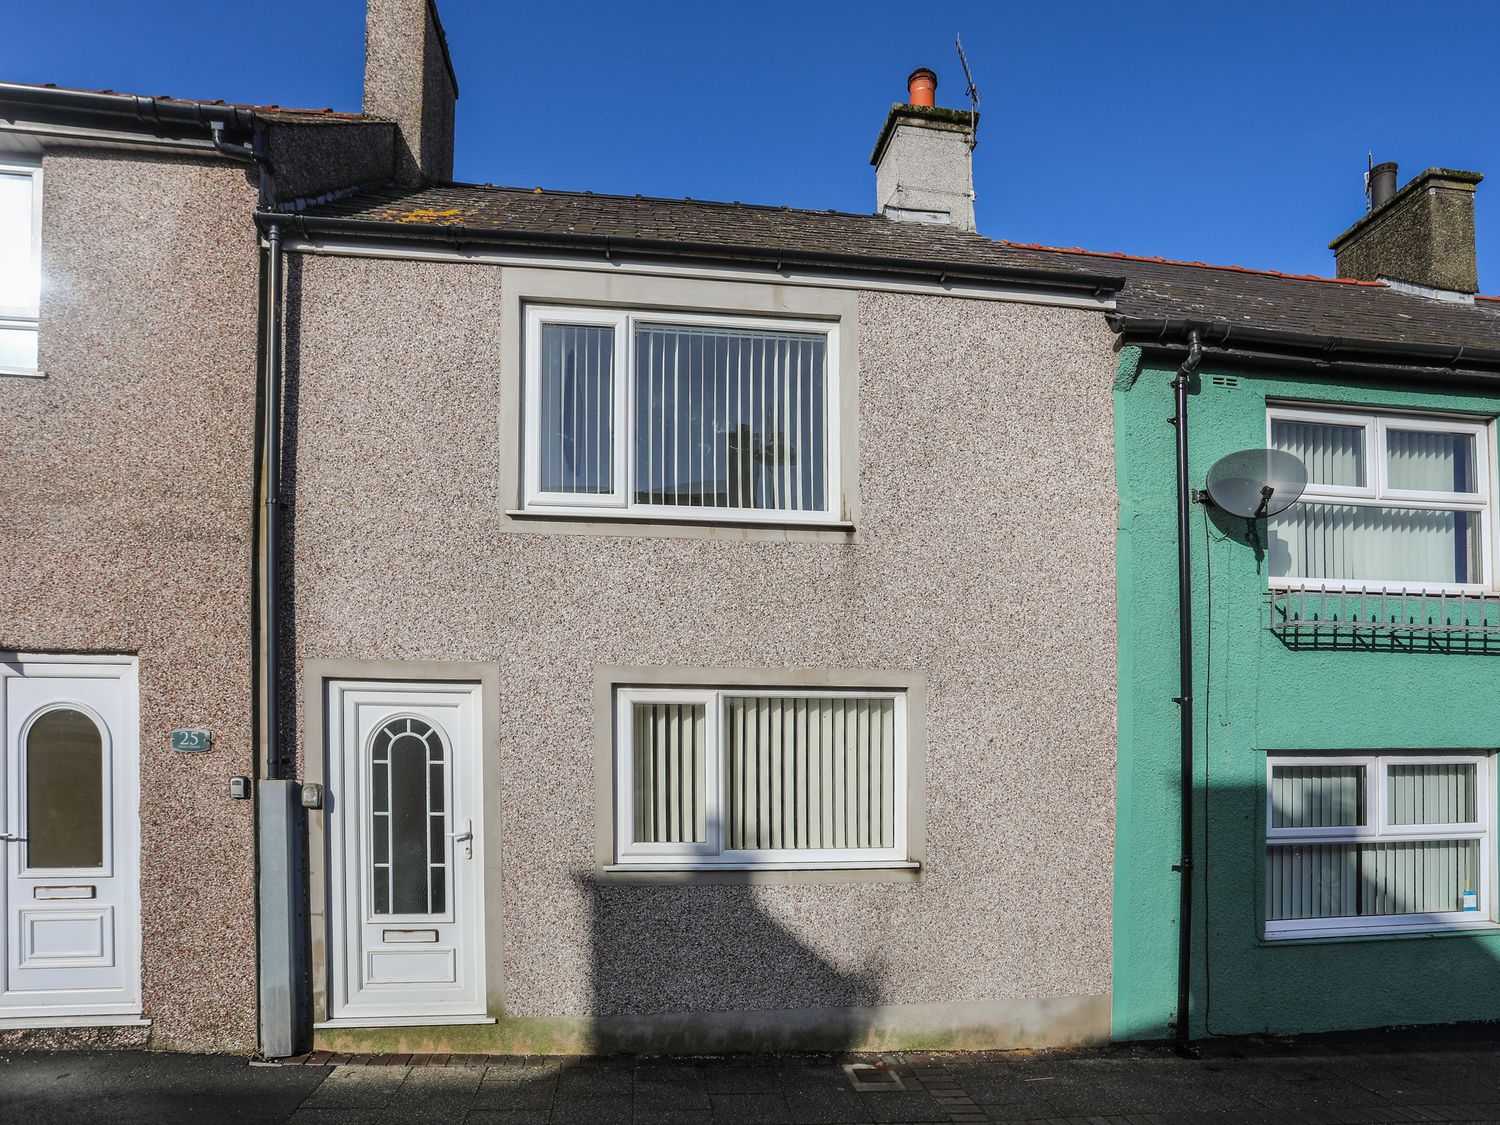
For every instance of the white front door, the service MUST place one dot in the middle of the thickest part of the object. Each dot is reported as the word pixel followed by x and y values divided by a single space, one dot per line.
pixel 69 831
pixel 405 853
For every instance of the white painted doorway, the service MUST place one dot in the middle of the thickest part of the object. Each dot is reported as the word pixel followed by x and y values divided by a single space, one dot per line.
pixel 70 840
pixel 405 853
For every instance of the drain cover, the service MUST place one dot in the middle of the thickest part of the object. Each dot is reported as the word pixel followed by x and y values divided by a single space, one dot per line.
pixel 872 1077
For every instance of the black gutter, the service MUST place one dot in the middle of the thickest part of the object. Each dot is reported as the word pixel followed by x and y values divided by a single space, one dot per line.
pixel 455 238
pixel 1332 354
pixel 104 110
pixel 163 118
pixel 1184 697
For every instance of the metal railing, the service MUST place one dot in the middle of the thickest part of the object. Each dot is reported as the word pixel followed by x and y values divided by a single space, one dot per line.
pixel 1307 616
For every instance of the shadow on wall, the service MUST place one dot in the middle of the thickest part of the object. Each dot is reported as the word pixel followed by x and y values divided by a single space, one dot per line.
pixel 1251 881
pixel 670 963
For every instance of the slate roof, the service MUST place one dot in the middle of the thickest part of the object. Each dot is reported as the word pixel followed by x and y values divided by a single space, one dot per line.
pixel 1150 289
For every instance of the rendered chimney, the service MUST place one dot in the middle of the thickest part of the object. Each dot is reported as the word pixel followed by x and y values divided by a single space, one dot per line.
pixel 924 168
pixel 409 79
pixel 1420 238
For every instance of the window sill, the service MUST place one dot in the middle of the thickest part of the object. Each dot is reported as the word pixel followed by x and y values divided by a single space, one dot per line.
pixel 22 373
pixel 606 516
pixel 713 868
pixel 1363 933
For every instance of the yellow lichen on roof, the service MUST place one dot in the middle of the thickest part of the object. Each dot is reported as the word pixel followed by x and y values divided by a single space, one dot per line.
pixel 427 215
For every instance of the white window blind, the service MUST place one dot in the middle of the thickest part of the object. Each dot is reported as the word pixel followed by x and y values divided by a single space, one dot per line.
pixel 1376 843
pixel 724 777
pixel 1393 502
pixel 20 265
pixel 637 414
pixel 577 389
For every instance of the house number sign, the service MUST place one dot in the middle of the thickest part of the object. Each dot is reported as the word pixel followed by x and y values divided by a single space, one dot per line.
pixel 190 740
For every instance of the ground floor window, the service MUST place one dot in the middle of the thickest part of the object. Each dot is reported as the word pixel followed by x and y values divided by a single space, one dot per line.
pixel 1377 843
pixel 760 778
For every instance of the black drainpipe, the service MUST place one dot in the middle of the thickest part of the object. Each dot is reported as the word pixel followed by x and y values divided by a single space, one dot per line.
pixel 1184 698
pixel 271 570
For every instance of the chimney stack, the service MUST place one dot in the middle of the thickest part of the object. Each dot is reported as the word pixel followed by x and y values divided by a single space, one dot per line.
pixel 924 170
pixel 1420 238
pixel 409 79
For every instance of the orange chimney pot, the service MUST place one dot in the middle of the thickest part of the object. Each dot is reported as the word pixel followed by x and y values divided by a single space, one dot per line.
pixel 921 87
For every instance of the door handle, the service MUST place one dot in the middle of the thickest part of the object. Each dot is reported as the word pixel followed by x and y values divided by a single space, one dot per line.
pixel 11 836
pixel 466 838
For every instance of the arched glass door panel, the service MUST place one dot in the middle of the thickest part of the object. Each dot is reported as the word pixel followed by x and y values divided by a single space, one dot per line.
pixel 64 792
pixel 409 819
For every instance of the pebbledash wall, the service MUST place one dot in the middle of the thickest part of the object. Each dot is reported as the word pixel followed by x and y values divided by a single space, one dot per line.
pixel 1255 694
pixel 127 493
pixel 968 570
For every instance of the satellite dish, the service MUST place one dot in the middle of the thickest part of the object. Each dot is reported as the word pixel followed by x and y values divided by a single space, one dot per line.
pixel 1257 482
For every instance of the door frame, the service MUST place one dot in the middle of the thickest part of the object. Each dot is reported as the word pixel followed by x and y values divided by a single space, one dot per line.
pixel 125 828
pixel 317 675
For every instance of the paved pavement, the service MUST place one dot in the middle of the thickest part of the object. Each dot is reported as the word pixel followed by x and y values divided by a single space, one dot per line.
pixel 1324 1083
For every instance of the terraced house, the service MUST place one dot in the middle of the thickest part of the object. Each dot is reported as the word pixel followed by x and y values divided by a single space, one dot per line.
pixel 639 649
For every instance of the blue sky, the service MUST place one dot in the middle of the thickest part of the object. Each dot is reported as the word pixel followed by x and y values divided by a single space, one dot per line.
pixel 1231 133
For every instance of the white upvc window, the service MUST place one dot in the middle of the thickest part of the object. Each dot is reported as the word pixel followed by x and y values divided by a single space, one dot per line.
pixel 673 416
pixel 751 778
pixel 1393 502
pixel 20 265
pixel 1378 843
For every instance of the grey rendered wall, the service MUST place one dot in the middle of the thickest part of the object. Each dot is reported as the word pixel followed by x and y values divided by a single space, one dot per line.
pixel 127 498
pixel 983 560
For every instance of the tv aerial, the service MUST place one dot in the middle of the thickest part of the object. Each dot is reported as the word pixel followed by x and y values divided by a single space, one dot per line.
pixel 973 92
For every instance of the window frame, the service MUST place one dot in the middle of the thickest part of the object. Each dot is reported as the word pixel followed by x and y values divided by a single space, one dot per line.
pixel 25 316
pixel 1377 493
pixel 711 855
pixel 1378 829
pixel 617 504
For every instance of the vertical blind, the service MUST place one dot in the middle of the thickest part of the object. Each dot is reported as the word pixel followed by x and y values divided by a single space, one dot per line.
pixel 1436 794
pixel 810 772
pixel 1350 880
pixel 1317 796
pixel 1368 544
pixel 577 407
pixel 728 418
pixel 671 798
pixel 1426 461
pixel 739 772
pixel 1371 877
pixel 1333 454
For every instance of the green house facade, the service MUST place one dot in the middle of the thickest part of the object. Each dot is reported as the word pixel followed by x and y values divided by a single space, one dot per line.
pixel 1345 676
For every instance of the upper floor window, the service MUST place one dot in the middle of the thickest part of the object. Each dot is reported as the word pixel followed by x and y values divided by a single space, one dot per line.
pixel 665 415
pixel 20 265
pixel 1393 501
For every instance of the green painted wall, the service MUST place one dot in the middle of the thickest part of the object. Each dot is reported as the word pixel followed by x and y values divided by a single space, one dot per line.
pixel 1253 694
